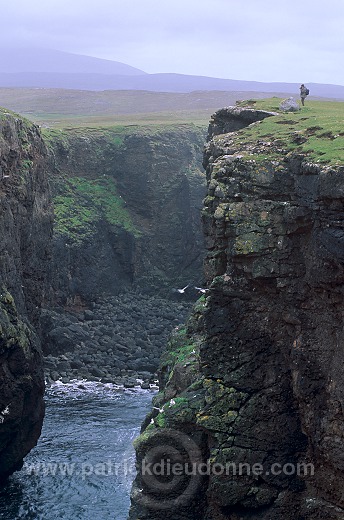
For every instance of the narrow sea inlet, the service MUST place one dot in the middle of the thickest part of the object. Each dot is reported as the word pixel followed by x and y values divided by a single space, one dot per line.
pixel 84 463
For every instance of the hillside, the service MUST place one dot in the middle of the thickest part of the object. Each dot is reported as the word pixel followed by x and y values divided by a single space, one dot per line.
pixel 49 61
pixel 44 68
pixel 316 131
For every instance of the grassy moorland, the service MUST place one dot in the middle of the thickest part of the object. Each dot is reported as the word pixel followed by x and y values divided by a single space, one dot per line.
pixel 317 129
pixel 62 108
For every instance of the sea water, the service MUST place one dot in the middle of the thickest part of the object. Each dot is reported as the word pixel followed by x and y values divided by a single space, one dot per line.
pixel 83 465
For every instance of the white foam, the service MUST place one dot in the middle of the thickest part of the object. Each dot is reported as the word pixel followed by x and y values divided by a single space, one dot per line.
pixel 79 387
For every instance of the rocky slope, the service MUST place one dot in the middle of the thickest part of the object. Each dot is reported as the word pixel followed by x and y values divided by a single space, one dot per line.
pixel 25 230
pixel 118 340
pixel 255 380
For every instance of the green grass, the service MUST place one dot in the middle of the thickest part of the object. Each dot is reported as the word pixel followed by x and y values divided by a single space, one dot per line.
pixel 198 117
pixel 113 135
pixel 82 203
pixel 317 130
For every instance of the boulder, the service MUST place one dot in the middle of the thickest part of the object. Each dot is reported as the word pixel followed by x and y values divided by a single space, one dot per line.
pixel 289 105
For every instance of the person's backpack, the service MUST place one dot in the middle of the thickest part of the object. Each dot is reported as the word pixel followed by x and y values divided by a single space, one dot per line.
pixel 307 91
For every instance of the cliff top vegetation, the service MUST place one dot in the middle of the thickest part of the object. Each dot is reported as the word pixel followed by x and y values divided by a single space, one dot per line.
pixel 317 130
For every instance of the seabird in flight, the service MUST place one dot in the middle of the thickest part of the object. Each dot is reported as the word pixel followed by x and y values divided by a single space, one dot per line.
pixel 200 289
pixel 181 291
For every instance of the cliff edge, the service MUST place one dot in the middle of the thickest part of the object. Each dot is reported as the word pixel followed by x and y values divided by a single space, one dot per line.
pixel 25 230
pixel 251 390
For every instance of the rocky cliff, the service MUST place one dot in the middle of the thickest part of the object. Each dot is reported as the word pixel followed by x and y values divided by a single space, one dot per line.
pixel 127 204
pixel 127 207
pixel 251 391
pixel 25 230
pixel 127 214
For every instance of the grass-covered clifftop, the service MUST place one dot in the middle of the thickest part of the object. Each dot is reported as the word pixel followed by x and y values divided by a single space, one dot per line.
pixel 316 130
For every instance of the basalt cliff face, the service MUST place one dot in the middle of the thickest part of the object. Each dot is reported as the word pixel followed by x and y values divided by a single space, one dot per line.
pixel 25 230
pixel 256 377
pixel 127 210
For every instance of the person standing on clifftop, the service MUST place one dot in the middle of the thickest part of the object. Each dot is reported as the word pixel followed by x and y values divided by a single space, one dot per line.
pixel 303 93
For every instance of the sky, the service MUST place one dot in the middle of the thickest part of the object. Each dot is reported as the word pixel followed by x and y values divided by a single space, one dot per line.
pixel 298 41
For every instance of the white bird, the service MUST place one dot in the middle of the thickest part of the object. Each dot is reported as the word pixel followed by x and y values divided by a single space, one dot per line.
pixel 200 289
pixel 172 402
pixel 182 291
pixel 4 412
pixel 152 421
pixel 160 409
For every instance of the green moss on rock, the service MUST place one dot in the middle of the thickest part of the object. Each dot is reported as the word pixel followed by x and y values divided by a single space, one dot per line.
pixel 80 204
pixel 13 331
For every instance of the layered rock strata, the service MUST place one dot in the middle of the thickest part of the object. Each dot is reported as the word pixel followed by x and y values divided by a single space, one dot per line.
pixel 25 230
pixel 254 383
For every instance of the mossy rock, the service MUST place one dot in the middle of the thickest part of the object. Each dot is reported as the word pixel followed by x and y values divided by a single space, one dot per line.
pixel 80 204
pixel 222 405
pixel 13 331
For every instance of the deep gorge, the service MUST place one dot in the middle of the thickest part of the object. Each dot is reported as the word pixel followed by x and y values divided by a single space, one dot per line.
pixel 93 289
pixel 253 376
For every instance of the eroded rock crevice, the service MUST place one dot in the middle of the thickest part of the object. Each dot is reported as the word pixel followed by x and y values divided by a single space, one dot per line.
pixel 127 234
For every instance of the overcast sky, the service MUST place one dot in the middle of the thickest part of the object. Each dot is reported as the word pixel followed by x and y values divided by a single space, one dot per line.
pixel 262 40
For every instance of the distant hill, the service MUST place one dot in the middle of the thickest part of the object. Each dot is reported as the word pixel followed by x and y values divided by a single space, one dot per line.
pixel 57 69
pixel 159 83
pixel 27 62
